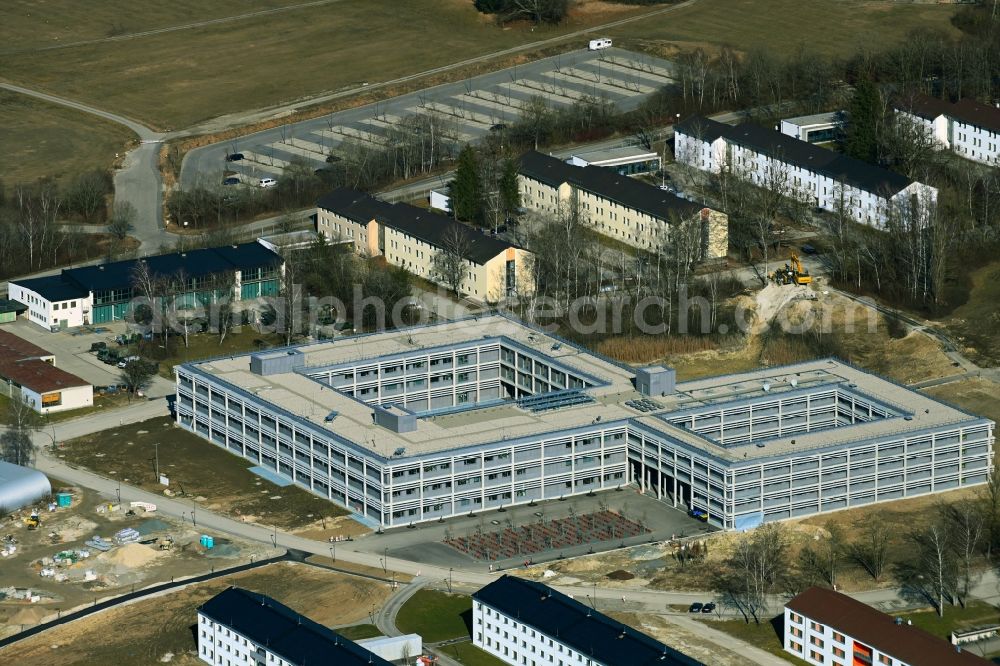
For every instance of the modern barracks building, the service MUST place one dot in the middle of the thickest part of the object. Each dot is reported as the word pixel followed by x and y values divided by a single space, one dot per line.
pixel 440 420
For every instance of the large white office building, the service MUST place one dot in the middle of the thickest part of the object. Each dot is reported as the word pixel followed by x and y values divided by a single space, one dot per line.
pixel 237 626
pixel 525 623
pixel 827 628
pixel 440 420
pixel 967 127
pixel 823 178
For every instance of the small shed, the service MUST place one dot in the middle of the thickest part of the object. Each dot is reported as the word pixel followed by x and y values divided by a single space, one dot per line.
pixel 10 310
pixel 21 486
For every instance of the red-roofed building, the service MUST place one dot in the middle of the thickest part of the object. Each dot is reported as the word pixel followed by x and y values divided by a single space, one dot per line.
pixel 829 628
pixel 31 370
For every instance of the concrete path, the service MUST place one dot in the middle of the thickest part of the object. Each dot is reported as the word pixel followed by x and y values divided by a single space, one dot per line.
pixel 385 619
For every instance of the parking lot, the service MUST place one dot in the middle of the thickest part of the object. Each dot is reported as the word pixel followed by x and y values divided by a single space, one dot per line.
pixel 72 352
pixel 466 110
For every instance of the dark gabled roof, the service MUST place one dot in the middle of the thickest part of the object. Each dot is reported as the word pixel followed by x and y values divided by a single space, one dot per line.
pixel 354 205
pixel 971 112
pixel 52 288
pixel 293 637
pixel 796 152
pixel 607 183
pixel 422 224
pixel 878 630
pixel 194 263
pixel 578 626
pixel 923 106
pixel 7 305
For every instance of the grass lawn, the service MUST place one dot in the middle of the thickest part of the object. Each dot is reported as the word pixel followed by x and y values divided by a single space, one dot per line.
pixel 359 632
pixel 45 140
pixel 437 616
pixel 467 653
pixel 977 613
pixel 765 635
pixel 201 471
pixel 205 345
pixel 832 28
pixel 145 631
pixel 208 71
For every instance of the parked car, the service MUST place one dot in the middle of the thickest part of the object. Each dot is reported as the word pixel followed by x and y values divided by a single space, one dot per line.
pixel 232 180
pixel 808 249
pixel 696 607
pixel 234 157
pixel 699 514
pixel 499 127
pixel 708 608
pixel 267 182
pixel 98 346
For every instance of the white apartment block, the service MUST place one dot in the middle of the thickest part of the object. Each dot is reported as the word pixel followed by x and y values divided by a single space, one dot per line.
pixel 237 626
pixel 628 210
pixel 530 624
pixel 410 237
pixel 967 127
pixel 823 178
pixel 827 628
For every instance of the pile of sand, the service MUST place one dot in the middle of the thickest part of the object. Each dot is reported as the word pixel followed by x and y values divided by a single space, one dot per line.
pixel 133 555
pixel 28 616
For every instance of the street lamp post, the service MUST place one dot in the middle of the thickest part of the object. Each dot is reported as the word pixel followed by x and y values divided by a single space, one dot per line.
pixel 450 569
pixel 194 521
pixel 385 560
pixel 333 552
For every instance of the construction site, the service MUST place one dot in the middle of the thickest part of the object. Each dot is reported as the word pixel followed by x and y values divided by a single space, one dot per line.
pixel 78 549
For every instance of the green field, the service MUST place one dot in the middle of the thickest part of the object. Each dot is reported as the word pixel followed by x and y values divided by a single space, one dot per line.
pixel 832 28
pixel 44 140
pixel 174 79
pixel 436 616
pixel 764 635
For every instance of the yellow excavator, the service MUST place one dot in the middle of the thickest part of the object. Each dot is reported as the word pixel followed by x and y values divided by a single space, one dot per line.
pixel 792 273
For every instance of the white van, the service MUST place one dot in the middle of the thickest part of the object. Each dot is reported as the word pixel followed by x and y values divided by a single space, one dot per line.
pixel 598 44
pixel 267 182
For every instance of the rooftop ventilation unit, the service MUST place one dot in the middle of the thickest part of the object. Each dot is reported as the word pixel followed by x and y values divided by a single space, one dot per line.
pixel 655 380
pixel 276 362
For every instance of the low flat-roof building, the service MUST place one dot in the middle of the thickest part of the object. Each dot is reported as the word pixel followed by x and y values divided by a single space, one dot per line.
pixel 11 310
pixel 822 178
pixel 814 128
pixel 237 626
pixel 623 160
pixel 619 207
pixel 29 373
pixel 21 486
pixel 410 237
pixel 828 628
pixel 527 623
pixel 103 293
pixel 433 421
pixel 967 127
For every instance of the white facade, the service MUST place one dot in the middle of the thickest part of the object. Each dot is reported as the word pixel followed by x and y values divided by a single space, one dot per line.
pixel 967 128
pixel 819 644
pixel 61 400
pixel 515 642
pixel 818 189
pixel 68 313
pixel 220 645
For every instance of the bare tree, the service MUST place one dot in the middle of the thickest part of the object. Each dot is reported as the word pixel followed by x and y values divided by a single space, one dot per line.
pixel 450 262
pixel 871 551
pixel 122 220
pixel 932 570
pixel 16 445
pixel 756 565
pixel 966 521
pixel 136 376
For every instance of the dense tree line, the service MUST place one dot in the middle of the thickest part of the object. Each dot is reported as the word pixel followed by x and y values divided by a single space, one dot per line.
pixel 539 11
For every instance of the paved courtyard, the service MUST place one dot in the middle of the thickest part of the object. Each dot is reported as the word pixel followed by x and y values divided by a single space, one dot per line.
pixel 467 110
pixel 425 542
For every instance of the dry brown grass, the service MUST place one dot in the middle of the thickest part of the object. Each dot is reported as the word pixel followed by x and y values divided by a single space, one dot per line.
pixel 630 349
pixel 143 632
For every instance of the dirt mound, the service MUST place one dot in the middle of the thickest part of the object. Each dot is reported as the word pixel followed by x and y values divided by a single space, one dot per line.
pixel 28 616
pixel 620 574
pixel 133 555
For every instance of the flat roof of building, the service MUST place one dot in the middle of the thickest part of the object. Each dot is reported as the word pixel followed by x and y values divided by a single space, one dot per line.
pixel 878 630
pixel 616 154
pixel 576 625
pixel 290 635
pixel 612 397
pixel 830 117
